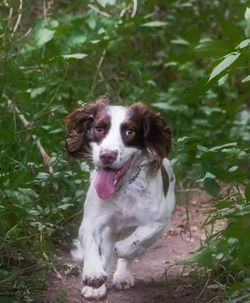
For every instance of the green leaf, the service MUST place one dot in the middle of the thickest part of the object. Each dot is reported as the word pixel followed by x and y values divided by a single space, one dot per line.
pixel 246 79
pixel 211 186
pixel 224 64
pixel 77 39
pixel 247 17
pixel 213 48
pixel 203 257
pixel 43 36
pixel 181 139
pixel 103 3
pixel 17 210
pixel 230 30
pixel 237 103
pixel 74 56
pixel 42 176
pixel 198 172
pixel 245 43
pixel 28 193
pixel 239 285
pixel 56 131
pixel 68 57
pixel 13 232
pixel 34 92
pixel 154 24
pixel 180 41
pixel 196 91
pixel 91 21
pixel 65 206
pixel 223 79
pixel 193 34
pixel 202 148
pixel 43 246
pixel 215 148
pixel 247 13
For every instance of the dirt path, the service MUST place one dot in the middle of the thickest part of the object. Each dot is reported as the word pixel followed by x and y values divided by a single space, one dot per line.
pixel 151 284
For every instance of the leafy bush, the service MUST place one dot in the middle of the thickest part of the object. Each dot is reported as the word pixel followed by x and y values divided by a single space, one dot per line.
pixel 188 59
pixel 226 251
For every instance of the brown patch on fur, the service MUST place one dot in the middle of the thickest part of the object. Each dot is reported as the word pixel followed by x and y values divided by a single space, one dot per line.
pixel 79 124
pixel 101 121
pixel 154 132
pixel 136 139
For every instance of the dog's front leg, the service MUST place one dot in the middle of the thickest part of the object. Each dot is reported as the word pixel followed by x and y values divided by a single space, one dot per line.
pixel 94 274
pixel 135 244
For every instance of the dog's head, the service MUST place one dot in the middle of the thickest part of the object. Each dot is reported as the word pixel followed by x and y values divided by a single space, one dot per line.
pixel 112 136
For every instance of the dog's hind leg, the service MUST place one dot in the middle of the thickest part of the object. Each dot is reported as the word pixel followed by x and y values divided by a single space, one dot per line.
pixel 78 251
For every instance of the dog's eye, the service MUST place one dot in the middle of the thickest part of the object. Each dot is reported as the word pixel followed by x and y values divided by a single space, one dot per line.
pixel 99 129
pixel 130 132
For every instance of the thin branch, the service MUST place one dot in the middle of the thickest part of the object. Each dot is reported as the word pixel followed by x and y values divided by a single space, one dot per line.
pixel 44 10
pixel 46 7
pixel 134 8
pixel 19 17
pixel 35 67
pixel 101 60
pixel 99 11
pixel 124 10
pixel 10 15
pixel 98 68
pixel 186 227
pixel 203 289
pixel 27 125
pixel 28 32
pixel 49 260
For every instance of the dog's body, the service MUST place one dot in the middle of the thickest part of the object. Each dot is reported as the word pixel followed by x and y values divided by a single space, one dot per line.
pixel 131 192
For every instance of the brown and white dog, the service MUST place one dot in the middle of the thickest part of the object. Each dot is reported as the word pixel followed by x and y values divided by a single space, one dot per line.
pixel 131 189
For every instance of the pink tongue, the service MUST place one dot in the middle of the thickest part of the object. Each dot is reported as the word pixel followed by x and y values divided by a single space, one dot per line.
pixel 104 183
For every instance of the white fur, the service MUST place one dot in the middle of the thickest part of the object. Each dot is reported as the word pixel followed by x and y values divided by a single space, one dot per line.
pixel 138 208
pixel 94 293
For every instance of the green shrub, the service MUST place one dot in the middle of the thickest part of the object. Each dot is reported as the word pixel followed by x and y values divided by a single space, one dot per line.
pixel 187 59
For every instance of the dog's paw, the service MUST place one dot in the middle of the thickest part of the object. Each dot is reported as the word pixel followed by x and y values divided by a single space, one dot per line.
pixel 123 279
pixel 94 293
pixel 94 280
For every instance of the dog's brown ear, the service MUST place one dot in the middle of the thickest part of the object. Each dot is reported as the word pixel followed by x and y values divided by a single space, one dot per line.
pixel 78 124
pixel 156 134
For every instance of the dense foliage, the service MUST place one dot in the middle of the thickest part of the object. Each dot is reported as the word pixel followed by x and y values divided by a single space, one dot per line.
pixel 188 59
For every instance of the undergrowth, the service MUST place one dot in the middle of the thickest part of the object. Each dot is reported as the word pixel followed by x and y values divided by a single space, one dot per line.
pixel 188 59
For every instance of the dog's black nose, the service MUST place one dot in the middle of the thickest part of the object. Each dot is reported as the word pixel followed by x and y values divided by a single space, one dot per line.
pixel 108 156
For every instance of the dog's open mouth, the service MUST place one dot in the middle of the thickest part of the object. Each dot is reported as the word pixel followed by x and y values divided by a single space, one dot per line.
pixel 108 179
